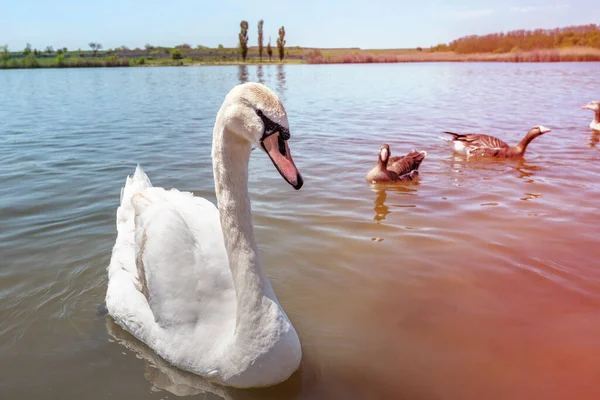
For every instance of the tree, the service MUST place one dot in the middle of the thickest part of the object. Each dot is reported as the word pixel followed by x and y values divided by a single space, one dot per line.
pixel 27 49
pixel 30 61
pixel 95 47
pixel 260 38
pixel 176 54
pixel 281 43
pixel 60 59
pixel 49 49
pixel 4 54
pixel 243 36
pixel 65 50
pixel 514 41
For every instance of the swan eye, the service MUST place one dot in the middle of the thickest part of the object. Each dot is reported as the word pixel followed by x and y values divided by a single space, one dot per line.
pixel 271 127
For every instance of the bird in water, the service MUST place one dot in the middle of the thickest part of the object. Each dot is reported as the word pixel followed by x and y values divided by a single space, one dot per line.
pixel 595 107
pixel 480 145
pixel 396 169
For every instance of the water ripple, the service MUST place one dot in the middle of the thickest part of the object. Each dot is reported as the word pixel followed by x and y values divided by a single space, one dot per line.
pixel 387 285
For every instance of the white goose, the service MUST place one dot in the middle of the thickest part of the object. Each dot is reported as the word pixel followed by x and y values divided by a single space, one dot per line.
pixel 595 107
pixel 186 279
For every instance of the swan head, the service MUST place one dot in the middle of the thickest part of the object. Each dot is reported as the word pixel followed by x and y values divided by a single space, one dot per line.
pixel 255 114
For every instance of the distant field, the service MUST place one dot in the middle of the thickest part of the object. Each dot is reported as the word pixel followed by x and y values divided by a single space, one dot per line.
pixel 413 55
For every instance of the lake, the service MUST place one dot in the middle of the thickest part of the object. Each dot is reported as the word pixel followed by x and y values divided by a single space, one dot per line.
pixel 481 280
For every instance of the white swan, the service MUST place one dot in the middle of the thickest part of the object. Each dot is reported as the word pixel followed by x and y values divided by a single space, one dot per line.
pixel 186 279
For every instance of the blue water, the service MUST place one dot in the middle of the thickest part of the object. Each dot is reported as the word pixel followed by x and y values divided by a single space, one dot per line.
pixel 479 281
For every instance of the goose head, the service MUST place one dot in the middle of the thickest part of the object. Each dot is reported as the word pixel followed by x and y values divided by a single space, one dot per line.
pixel 255 114
pixel 592 105
pixel 384 153
pixel 538 131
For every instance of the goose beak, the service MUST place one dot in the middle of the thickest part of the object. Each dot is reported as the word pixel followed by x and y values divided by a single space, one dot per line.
pixel 279 153
pixel 543 129
pixel 587 107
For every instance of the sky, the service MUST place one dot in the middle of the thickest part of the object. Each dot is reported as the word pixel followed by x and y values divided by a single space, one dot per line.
pixel 368 24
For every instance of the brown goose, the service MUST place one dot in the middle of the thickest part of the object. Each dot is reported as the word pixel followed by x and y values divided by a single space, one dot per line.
pixel 595 107
pixel 395 169
pixel 480 145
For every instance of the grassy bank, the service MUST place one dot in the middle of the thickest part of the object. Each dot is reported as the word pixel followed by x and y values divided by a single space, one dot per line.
pixel 136 58
pixel 31 61
pixel 295 55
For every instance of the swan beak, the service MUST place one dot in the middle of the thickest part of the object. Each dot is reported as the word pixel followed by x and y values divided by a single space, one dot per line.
pixel 543 129
pixel 588 107
pixel 280 155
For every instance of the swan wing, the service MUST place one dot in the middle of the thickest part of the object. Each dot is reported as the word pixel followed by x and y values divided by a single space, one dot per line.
pixel 169 274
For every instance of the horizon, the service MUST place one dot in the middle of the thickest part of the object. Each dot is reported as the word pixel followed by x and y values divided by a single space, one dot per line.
pixel 66 23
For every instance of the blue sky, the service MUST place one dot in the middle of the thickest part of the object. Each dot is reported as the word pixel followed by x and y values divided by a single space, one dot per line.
pixel 366 24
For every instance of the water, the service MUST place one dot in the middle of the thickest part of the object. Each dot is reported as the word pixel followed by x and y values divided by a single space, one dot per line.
pixel 480 281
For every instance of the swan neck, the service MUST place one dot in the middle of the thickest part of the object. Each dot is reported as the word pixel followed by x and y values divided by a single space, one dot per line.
pixel 231 155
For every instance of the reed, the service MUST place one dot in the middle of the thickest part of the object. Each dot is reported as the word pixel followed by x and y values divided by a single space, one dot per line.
pixel 570 54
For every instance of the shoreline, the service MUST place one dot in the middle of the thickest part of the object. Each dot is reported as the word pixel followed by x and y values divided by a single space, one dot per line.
pixel 299 56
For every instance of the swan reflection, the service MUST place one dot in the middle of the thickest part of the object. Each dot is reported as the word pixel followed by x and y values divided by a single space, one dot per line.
pixel 164 376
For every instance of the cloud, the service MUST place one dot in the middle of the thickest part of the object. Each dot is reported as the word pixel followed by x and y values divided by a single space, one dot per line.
pixel 470 14
pixel 526 9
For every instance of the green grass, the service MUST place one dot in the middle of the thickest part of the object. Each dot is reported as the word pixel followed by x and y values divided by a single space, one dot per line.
pixel 155 57
pixel 31 61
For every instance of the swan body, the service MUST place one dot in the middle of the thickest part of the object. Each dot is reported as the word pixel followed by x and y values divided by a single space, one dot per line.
pixel 480 145
pixel 395 169
pixel 595 107
pixel 186 278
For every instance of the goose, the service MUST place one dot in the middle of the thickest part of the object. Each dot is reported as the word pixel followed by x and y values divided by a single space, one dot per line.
pixel 480 145
pixel 186 278
pixel 395 169
pixel 595 107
